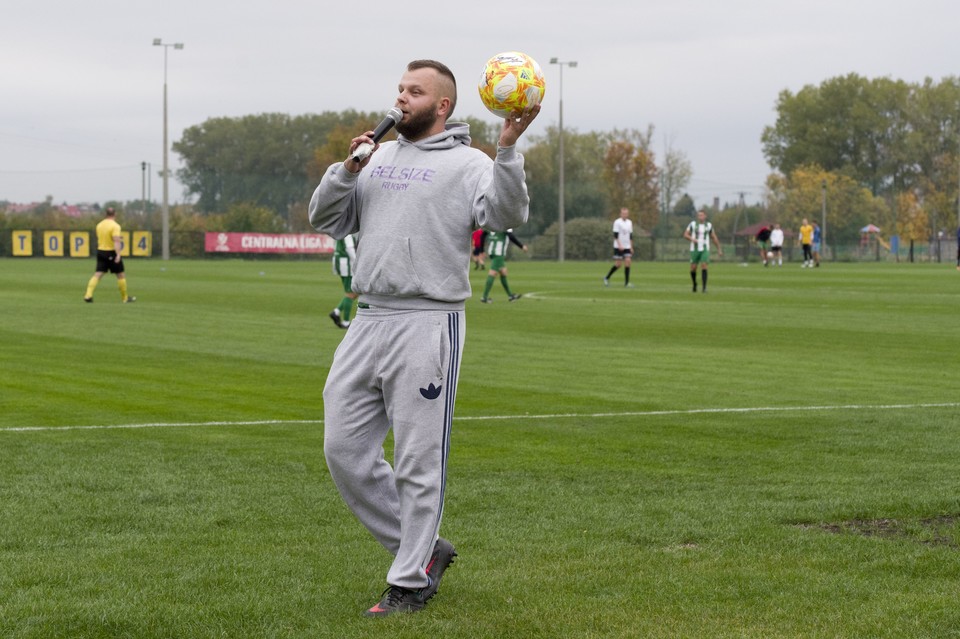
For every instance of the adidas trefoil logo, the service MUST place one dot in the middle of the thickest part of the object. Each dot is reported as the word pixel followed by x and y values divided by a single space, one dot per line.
pixel 431 391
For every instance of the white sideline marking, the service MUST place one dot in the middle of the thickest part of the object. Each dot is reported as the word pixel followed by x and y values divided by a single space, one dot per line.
pixel 649 413
pixel 698 411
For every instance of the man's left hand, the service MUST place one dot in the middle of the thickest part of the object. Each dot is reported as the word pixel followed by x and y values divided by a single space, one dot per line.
pixel 514 126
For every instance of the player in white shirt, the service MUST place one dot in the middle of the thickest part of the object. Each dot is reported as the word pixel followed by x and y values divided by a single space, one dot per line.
pixel 622 247
pixel 776 244
pixel 700 232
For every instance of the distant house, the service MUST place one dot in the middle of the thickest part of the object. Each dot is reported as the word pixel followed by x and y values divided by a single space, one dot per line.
pixel 22 208
pixel 72 210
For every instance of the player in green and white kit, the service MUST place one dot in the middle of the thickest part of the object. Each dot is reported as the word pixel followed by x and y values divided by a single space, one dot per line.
pixel 497 243
pixel 700 232
pixel 344 254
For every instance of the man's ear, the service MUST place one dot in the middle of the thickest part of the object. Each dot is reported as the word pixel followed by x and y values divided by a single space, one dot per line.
pixel 443 108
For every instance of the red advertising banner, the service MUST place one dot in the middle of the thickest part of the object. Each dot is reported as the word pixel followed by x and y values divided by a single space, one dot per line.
pixel 268 243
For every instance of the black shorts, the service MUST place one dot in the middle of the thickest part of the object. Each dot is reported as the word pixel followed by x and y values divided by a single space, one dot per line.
pixel 107 262
pixel 478 250
pixel 776 249
pixel 619 254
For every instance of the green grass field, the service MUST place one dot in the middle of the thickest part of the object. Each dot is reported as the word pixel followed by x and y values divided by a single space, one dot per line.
pixel 777 458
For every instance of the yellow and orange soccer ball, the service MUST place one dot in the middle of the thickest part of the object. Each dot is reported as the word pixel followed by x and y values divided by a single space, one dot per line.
pixel 511 82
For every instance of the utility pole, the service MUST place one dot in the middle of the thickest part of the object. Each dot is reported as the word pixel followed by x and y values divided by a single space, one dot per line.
pixel 741 205
pixel 823 219
pixel 158 42
pixel 561 214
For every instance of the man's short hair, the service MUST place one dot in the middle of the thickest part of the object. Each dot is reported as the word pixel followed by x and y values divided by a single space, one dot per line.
pixel 444 71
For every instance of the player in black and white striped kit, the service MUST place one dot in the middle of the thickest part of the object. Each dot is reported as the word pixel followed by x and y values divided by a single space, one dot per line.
pixel 414 204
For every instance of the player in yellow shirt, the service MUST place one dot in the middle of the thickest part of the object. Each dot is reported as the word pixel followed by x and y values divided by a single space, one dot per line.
pixel 806 240
pixel 109 248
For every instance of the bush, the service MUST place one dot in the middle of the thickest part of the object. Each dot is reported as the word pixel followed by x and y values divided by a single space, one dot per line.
pixel 585 239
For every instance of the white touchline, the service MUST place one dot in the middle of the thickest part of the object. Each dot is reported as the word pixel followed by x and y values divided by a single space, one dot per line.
pixel 698 411
pixel 475 418
pixel 269 422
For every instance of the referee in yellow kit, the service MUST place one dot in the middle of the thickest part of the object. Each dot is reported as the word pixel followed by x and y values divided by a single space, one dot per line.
pixel 109 248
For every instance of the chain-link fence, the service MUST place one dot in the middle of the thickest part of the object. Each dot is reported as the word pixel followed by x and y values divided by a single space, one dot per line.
pixel 583 240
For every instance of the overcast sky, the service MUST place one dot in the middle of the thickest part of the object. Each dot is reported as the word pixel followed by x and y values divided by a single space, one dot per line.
pixel 81 98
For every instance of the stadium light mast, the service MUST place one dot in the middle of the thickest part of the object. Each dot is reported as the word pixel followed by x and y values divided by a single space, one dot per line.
pixel 165 210
pixel 561 239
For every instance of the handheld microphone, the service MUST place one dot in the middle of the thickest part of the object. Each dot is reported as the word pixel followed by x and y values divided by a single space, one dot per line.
pixel 394 116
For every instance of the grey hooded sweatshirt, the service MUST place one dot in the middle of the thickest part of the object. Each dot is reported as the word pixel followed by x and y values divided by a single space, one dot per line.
pixel 413 208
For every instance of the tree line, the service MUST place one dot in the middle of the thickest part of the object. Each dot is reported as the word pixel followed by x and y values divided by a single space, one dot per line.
pixel 879 151
pixel 274 161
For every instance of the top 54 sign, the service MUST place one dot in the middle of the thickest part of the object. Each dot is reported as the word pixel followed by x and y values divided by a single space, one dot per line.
pixel 268 243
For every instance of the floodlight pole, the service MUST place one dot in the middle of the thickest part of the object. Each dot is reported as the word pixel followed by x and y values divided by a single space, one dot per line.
pixel 165 210
pixel 561 215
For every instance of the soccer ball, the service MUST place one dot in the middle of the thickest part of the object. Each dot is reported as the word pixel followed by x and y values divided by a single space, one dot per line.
pixel 511 82
pixel 769 255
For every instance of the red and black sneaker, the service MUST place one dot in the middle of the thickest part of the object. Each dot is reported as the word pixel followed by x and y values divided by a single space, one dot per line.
pixel 397 599
pixel 442 557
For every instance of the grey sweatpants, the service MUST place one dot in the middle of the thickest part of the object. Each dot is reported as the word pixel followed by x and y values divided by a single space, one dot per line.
pixel 395 369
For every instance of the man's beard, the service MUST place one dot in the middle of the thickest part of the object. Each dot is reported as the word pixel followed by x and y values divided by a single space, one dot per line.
pixel 418 124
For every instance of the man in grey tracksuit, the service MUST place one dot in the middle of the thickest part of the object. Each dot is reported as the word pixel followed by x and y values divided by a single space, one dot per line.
pixel 413 204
